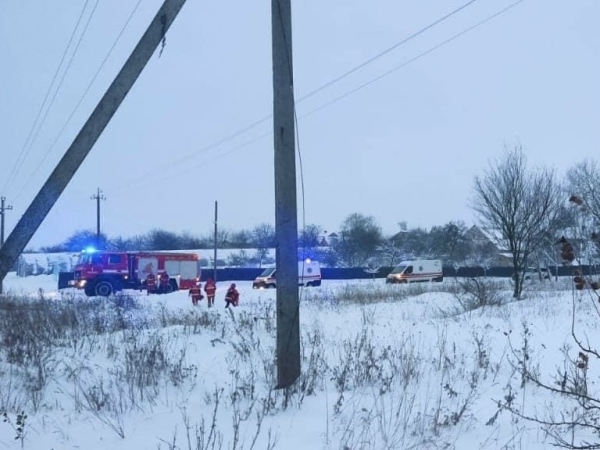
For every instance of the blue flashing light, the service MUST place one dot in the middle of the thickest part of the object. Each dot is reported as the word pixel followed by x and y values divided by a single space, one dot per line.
pixel 89 250
pixel 307 260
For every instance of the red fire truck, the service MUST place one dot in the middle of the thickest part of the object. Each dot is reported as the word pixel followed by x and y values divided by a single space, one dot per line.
pixel 103 272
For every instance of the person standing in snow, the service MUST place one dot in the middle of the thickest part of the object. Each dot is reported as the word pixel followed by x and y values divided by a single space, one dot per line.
pixel 150 283
pixel 196 293
pixel 232 297
pixel 211 289
pixel 163 282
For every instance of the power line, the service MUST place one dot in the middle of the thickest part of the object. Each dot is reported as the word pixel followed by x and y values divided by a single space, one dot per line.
pixel 387 50
pixel 154 181
pixel 335 100
pixel 81 98
pixel 57 90
pixel 416 58
pixel 39 113
pixel 310 94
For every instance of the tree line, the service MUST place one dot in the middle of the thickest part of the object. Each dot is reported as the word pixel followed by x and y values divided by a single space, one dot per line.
pixel 360 241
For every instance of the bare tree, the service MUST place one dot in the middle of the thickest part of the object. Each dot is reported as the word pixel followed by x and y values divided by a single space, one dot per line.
pixel 519 204
pixel 389 252
pixel 583 181
pixel 573 382
pixel 263 236
pixel 481 254
pixel 360 238
pixel 222 238
pixel 449 243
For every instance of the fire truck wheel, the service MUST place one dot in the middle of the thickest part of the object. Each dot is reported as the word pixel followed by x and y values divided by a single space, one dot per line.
pixel 172 287
pixel 104 288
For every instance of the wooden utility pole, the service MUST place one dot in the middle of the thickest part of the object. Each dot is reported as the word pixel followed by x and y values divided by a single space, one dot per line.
pixel 89 134
pixel 98 196
pixel 286 216
pixel 3 209
pixel 215 250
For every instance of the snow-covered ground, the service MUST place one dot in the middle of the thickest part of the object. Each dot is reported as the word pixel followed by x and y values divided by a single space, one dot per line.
pixel 383 367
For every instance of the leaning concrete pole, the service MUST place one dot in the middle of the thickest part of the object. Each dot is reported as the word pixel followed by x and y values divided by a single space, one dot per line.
pixel 87 137
pixel 286 216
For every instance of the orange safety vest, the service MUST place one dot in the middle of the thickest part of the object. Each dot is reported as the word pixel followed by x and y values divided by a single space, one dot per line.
pixel 195 292
pixel 164 278
pixel 210 289
pixel 150 281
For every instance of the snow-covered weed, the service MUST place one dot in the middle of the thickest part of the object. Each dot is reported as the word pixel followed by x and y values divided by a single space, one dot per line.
pixel 371 292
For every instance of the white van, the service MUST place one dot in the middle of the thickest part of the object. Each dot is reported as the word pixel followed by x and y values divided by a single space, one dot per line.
pixel 309 274
pixel 418 270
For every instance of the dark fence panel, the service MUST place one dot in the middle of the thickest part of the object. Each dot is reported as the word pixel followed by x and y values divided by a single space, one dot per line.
pixel 352 273
pixel 64 278
pixel 232 274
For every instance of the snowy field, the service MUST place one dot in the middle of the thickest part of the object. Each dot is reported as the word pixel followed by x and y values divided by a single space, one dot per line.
pixel 384 367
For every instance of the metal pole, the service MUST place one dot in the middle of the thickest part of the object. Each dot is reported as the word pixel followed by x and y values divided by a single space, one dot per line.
pixel 89 134
pixel 286 216
pixel 215 249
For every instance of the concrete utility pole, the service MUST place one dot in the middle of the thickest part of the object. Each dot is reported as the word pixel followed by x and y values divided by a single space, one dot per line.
pixel 98 196
pixel 286 215
pixel 3 209
pixel 89 134
pixel 215 252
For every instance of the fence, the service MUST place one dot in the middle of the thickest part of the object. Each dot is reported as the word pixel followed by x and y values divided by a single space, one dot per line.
pixel 353 273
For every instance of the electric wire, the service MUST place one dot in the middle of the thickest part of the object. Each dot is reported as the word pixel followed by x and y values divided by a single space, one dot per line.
pixel 147 181
pixel 416 58
pixel 81 98
pixel 60 83
pixel 388 50
pixel 245 129
pixel 41 108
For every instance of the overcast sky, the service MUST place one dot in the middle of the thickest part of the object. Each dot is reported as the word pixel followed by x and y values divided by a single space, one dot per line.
pixel 405 148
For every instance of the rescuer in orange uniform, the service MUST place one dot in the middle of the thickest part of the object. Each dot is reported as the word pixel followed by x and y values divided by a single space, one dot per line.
pixel 151 283
pixel 196 293
pixel 211 289
pixel 232 297
pixel 163 282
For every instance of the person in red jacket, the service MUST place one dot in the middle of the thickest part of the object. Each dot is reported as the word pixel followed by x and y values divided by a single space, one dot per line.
pixel 151 283
pixel 211 289
pixel 163 282
pixel 196 293
pixel 232 297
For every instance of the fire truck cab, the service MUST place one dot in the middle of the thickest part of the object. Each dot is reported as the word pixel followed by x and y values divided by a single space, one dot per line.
pixel 103 273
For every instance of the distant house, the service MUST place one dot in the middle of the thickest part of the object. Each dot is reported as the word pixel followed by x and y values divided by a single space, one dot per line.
pixel 485 248
pixel 328 239
pixel 44 263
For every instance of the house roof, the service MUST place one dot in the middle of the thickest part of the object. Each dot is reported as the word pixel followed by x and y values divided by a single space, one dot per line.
pixel 492 236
